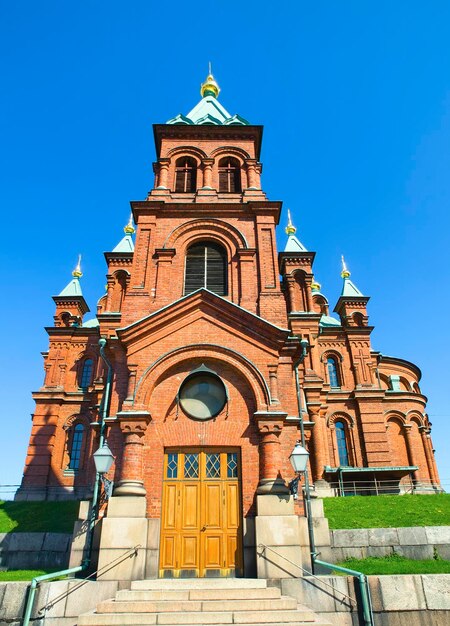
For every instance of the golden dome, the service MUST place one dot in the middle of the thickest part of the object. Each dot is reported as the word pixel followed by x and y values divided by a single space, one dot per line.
pixel 129 228
pixel 210 86
pixel 290 228
pixel 345 273
pixel 77 273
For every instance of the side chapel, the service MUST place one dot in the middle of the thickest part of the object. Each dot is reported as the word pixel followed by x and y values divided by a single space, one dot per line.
pixel 203 325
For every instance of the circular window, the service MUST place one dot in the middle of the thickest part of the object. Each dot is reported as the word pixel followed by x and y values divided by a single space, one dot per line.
pixel 202 395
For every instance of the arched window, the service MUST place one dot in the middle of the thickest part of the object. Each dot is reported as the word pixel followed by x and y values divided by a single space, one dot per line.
pixel 185 175
pixel 206 265
pixel 333 372
pixel 341 444
pixel 229 175
pixel 86 373
pixel 76 447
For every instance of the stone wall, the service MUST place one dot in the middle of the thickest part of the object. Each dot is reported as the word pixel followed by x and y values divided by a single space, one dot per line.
pixel 415 542
pixel 68 602
pixel 34 550
pixel 415 600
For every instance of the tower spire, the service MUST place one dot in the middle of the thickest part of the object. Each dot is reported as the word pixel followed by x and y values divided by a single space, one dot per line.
pixel 290 228
pixel 129 228
pixel 77 273
pixel 210 86
pixel 344 273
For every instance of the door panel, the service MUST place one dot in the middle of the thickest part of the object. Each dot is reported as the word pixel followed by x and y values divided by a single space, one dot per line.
pixel 201 514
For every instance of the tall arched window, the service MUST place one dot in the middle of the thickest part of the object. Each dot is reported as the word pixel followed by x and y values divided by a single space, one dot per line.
pixel 76 447
pixel 185 175
pixel 341 444
pixel 229 176
pixel 333 372
pixel 86 373
pixel 206 265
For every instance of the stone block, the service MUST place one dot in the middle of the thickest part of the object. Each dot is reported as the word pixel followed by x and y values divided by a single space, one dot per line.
pixel 401 593
pixel 354 553
pixel 412 536
pixel 58 542
pixel 415 552
pixel 303 531
pixel 351 538
pixel 438 534
pixel 127 506
pixel 249 562
pixel 249 537
pixel 321 531
pixel 26 542
pixel 436 588
pixel 123 533
pixel 85 598
pixel 337 619
pixel 317 507
pixel 84 509
pixel 275 505
pixel 311 592
pixel 286 562
pixel 13 600
pixel 51 599
pixel 383 537
pixel 443 551
pixel 379 551
pixel 153 533
pixel 152 564
pixel 277 530
pixel 115 568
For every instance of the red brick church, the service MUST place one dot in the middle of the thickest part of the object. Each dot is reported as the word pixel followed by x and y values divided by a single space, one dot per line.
pixel 189 366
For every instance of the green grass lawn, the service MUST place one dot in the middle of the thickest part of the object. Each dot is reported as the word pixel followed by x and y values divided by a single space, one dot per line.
pixel 396 564
pixel 26 517
pixel 387 511
pixel 21 574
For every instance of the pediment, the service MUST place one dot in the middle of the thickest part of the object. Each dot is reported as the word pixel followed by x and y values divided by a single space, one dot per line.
pixel 203 305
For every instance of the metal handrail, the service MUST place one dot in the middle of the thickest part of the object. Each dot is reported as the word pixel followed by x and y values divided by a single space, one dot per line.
pixel 73 570
pixel 352 600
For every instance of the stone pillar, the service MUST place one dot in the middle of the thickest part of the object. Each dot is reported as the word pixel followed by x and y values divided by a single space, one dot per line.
pixel 133 427
pixel 273 382
pixel 252 178
pixel 428 453
pixel 163 173
pixel 291 284
pixel 207 173
pixel 270 427
pixel 132 373
pixel 109 286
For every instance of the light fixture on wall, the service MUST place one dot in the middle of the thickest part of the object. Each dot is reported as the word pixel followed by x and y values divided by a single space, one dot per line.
pixel 103 459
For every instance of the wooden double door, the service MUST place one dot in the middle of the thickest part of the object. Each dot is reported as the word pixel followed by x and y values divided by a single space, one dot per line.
pixel 201 514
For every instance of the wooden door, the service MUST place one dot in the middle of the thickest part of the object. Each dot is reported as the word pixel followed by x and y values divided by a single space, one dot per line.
pixel 201 514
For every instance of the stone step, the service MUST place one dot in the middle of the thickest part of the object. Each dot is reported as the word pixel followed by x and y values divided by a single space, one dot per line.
pixel 143 619
pixel 238 617
pixel 175 606
pixel 199 594
pixel 198 583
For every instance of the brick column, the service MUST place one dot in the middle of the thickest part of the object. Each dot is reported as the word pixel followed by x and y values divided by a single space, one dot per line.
pixel 207 173
pixel 270 480
pixel 163 173
pixel 133 427
pixel 252 178
pixel 428 453
pixel 409 446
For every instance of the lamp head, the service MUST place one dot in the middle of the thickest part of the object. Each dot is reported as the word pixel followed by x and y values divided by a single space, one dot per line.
pixel 299 458
pixel 103 459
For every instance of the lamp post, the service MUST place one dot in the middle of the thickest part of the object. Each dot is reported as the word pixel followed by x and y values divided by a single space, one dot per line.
pixel 103 459
pixel 299 461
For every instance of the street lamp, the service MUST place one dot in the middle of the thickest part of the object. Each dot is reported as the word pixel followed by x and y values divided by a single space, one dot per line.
pixel 299 461
pixel 103 459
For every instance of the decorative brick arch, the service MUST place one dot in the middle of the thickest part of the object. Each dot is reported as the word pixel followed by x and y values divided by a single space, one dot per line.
pixel 340 415
pixel 393 415
pixel 395 429
pixel 238 153
pixel 414 416
pixel 210 353
pixel 191 151
pixel 201 228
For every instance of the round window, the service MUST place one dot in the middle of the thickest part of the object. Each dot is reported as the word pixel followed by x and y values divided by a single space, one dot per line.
pixel 202 396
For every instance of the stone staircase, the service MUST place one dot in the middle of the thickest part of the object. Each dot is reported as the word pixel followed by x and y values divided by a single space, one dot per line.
pixel 201 601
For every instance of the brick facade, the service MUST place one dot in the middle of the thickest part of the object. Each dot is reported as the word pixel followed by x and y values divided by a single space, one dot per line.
pixel 156 335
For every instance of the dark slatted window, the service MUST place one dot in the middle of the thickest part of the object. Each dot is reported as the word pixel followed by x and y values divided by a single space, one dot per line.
pixel 76 447
pixel 229 175
pixel 185 175
pixel 206 265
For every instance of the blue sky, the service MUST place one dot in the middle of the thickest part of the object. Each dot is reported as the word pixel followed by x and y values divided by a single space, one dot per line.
pixel 355 100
